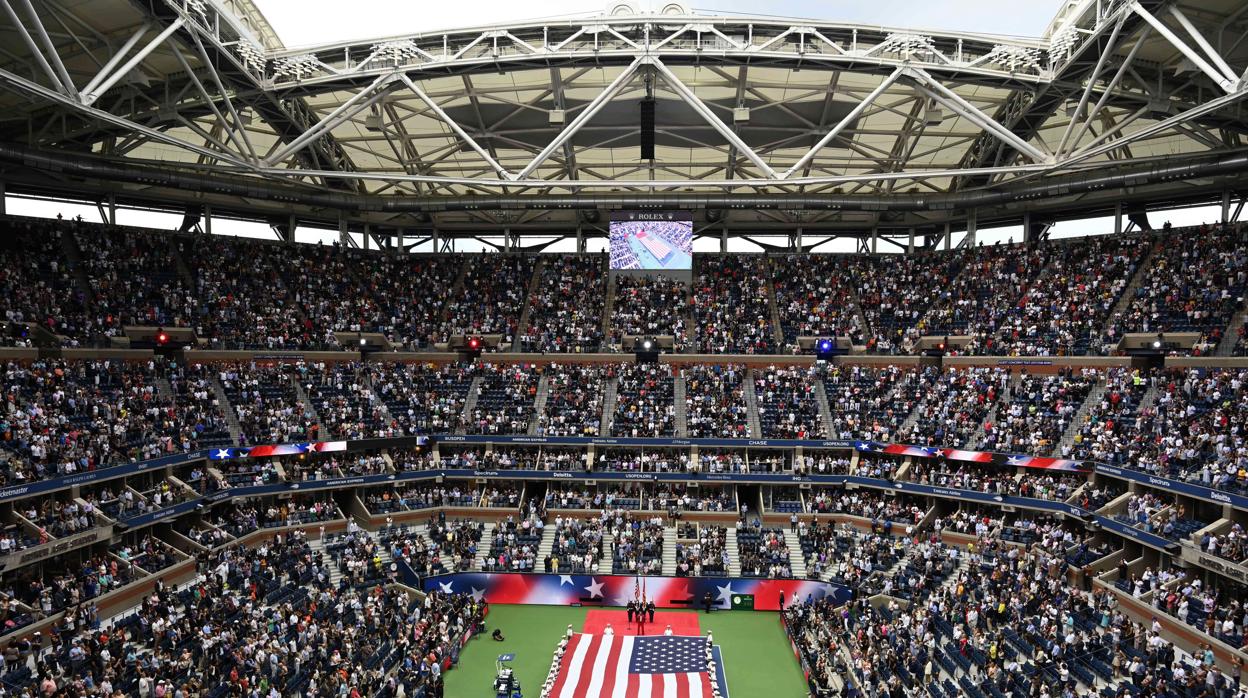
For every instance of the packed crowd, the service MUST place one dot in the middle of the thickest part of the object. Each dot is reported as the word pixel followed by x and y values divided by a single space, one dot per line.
pixel 573 400
pixel 815 298
pixel 715 401
pixel 565 312
pixel 730 305
pixel 1053 297
pixel 644 401
pixel 650 306
pixel 788 406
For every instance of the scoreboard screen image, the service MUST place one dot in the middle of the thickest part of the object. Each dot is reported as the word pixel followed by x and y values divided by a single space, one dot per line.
pixel 651 240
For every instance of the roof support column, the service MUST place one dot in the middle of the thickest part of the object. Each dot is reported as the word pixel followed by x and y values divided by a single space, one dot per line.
pixel 580 239
pixel 2 206
pixel 972 227
pixel 723 240
pixel 53 78
pixel 948 235
pixel 344 237
pixel 1026 226
pixel 1226 205
pixel 1227 83
pixel 875 240
pixel 208 220
pixel 910 244
pixel 1117 218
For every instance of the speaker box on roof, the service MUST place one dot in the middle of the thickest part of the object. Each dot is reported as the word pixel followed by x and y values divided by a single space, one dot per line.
pixel 647 129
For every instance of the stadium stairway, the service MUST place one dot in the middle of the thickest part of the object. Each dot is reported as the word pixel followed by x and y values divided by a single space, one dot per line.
pixel 751 406
pixel 861 317
pixel 163 388
pixel 74 256
pixel 682 409
pixel 331 566
pixel 669 551
pixel 1150 397
pixel 231 418
pixel 1128 293
pixel 539 403
pixel 772 305
pixel 456 288
pixel 483 551
pixel 608 304
pixel 184 269
pixel 797 561
pixel 470 403
pixel 522 326
pixel 1068 437
pixel 306 401
pixel 825 411
pixel 546 544
pixel 977 438
pixel 608 406
pixel 1227 346
pixel 734 554
pixel 915 413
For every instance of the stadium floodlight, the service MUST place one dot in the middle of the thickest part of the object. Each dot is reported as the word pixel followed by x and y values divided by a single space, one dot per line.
pixel 647 350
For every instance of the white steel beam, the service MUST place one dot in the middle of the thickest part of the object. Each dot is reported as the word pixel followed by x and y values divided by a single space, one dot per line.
pixel 586 114
pixel 1199 61
pixel 1109 88
pixel 934 89
pixel 344 111
pixel 114 60
pixel 1110 45
pixel 208 99
pixel 57 63
pixel 848 119
pixel 1212 105
pixel 711 117
pixel 1200 40
pixel 34 49
pixel 90 97
pixel 446 119
pixel 225 95
pixel 33 88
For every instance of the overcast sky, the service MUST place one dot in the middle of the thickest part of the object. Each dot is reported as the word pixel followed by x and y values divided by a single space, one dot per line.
pixel 305 22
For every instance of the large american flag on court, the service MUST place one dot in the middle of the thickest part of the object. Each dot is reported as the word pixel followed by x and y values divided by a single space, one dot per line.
pixel 625 666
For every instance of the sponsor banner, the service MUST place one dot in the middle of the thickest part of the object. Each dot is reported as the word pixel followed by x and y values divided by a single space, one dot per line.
pixel 100 475
pixel 55 547
pixel 277 450
pixel 618 590
pixel 1138 535
pixel 1223 567
pixel 1024 362
pixel 162 514
pixel 1175 486
pixel 521 440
